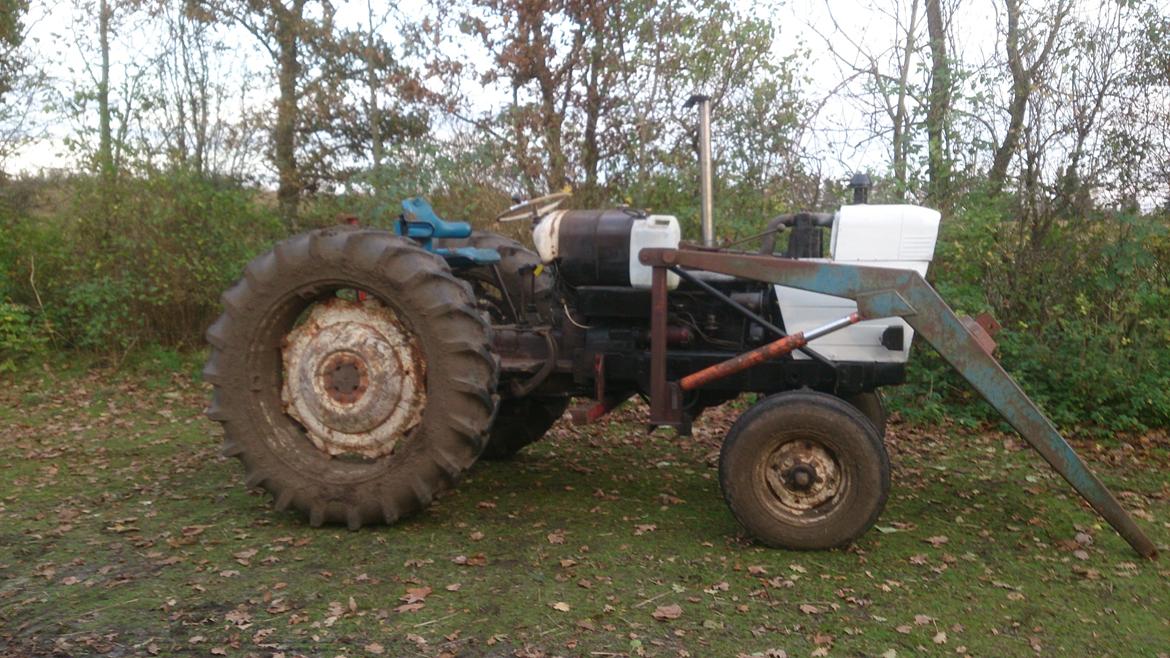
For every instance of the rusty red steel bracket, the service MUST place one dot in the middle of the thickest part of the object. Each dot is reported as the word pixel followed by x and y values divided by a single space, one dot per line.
pixel 881 293
pixel 605 401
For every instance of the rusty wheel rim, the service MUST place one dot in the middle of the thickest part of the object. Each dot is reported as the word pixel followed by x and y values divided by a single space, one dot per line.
pixel 802 479
pixel 354 377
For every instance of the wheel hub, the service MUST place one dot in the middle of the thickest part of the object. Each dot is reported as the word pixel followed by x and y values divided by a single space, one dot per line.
pixel 345 377
pixel 803 475
pixel 353 377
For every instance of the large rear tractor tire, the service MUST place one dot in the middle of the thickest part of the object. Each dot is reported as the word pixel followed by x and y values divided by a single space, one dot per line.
pixel 804 470
pixel 353 376
pixel 521 422
pixel 486 284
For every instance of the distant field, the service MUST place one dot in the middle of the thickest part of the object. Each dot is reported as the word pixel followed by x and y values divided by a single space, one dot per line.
pixel 124 534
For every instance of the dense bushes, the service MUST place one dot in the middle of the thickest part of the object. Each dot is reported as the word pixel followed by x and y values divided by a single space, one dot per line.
pixel 1084 300
pixel 20 337
pixel 1085 304
pixel 137 263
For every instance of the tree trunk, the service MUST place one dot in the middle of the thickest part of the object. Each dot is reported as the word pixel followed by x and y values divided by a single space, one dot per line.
pixel 901 118
pixel 284 135
pixel 590 151
pixel 937 165
pixel 1021 89
pixel 520 146
pixel 105 143
pixel 375 114
pixel 200 102
pixel 553 121
pixel 1023 81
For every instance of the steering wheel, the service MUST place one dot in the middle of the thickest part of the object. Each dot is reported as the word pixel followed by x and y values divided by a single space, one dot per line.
pixel 533 208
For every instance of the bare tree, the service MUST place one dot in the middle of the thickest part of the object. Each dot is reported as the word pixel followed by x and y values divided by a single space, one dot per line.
pixel 888 74
pixel 282 29
pixel 188 93
pixel 20 79
pixel 1028 51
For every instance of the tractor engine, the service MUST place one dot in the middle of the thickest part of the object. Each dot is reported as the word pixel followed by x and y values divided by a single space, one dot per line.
pixel 607 289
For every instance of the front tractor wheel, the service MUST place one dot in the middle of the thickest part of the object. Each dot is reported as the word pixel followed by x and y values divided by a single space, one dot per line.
pixel 873 406
pixel 353 376
pixel 804 470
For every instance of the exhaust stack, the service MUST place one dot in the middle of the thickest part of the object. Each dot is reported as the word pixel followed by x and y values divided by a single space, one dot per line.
pixel 705 167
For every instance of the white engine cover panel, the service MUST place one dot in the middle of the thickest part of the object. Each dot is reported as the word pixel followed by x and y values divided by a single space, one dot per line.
pixel 884 233
pixel 894 236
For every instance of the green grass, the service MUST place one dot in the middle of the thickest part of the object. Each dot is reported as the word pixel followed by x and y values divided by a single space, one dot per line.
pixel 122 532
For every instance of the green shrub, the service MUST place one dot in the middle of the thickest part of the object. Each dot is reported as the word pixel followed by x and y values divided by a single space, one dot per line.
pixel 140 263
pixel 20 337
pixel 1084 304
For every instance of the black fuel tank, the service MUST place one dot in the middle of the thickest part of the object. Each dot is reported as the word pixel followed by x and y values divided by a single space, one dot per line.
pixel 594 247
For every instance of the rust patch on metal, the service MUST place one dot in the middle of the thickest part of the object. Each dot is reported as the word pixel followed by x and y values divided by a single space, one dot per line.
pixel 989 323
pixel 979 333
pixel 662 412
pixel 354 377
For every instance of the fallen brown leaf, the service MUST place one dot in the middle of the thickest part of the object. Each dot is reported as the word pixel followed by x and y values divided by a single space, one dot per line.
pixel 665 612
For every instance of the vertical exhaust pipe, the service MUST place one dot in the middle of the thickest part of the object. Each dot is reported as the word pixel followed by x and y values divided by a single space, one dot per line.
pixel 705 167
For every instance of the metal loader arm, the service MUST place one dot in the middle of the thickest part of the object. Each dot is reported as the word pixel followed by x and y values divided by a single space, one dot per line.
pixel 881 292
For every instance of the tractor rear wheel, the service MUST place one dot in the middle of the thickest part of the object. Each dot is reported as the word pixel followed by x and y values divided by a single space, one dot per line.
pixel 353 376
pixel 804 470
pixel 505 304
pixel 521 422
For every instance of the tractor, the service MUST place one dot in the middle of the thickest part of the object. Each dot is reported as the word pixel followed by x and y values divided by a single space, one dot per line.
pixel 359 372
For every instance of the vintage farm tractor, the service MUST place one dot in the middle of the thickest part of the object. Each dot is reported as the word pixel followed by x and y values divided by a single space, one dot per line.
pixel 358 372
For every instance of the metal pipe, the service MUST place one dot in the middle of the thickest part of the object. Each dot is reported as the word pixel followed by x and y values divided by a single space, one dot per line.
pixel 768 246
pixel 521 389
pixel 861 184
pixel 706 167
pixel 760 354
pixel 660 408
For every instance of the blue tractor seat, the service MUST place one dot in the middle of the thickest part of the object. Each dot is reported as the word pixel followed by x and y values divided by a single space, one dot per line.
pixel 420 223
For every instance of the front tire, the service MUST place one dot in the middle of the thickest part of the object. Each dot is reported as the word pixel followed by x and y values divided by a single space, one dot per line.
pixel 301 378
pixel 804 470
pixel 873 406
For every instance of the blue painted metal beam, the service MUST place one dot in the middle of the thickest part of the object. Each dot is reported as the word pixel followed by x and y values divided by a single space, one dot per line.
pixel 882 292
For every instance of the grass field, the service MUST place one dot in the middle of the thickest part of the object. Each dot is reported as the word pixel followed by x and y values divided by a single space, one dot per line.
pixel 125 533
